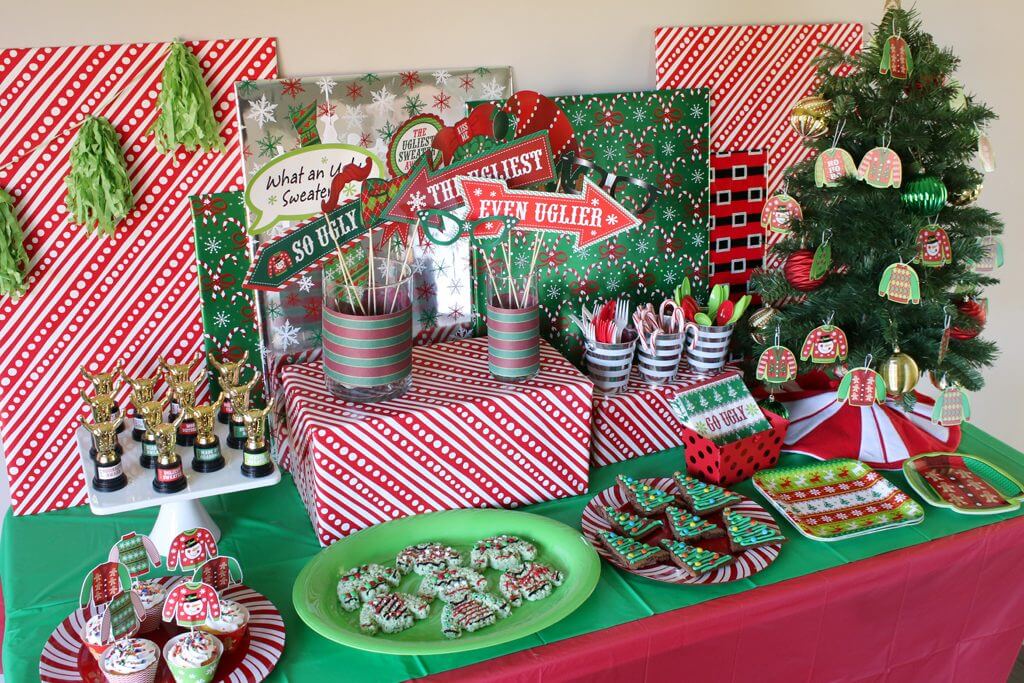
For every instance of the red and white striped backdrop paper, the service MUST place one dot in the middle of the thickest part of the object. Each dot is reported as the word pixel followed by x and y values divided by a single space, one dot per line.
pixel 457 439
pixel 638 421
pixel 95 301
pixel 756 74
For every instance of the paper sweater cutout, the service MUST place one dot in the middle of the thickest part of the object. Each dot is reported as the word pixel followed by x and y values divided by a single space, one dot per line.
pixel 832 165
pixel 777 365
pixel 824 344
pixel 136 552
pixel 122 617
pixel 190 604
pixel 103 582
pixel 951 407
pixel 219 572
pixel 861 387
pixel 779 211
pixel 881 167
pixel 900 284
pixel 191 548
pixel 933 247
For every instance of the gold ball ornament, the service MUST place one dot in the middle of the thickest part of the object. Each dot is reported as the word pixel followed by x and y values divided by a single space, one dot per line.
pixel 966 196
pixel 759 321
pixel 810 116
pixel 900 374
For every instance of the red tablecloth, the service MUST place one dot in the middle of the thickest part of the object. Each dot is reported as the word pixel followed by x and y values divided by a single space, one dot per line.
pixel 948 610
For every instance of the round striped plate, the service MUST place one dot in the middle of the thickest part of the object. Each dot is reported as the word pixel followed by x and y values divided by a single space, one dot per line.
pixel 64 657
pixel 746 563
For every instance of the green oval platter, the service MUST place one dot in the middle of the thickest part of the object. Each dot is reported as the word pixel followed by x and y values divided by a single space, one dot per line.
pixel 558 545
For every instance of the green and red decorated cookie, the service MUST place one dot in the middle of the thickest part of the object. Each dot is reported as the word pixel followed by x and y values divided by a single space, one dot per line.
pixel 745 533
pixel 629 524
pixel 686 526
pixel 630 553
pixel 703 498
pixel 693 560
pixel 644 498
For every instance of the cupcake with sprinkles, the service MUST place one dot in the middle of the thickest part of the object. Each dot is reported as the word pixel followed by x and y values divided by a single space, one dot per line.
pixel 152 594
pixel 131 660
pixel 91 637
pixel 230 626
pixel 193 657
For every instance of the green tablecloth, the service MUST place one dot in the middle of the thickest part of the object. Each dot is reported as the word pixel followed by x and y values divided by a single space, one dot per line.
pixel 43 559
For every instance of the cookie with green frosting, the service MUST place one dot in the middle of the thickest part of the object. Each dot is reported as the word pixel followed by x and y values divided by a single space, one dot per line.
pixel 645 499
pixel 686 526
pixel 746 533
pixel 628 524
pixel 694 560
pixel 701 497
pixel 631 553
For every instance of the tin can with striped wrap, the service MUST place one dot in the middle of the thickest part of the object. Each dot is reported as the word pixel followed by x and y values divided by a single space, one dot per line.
pixel 513 329
pixel 707 347
pixel 658 358
pixel 609 364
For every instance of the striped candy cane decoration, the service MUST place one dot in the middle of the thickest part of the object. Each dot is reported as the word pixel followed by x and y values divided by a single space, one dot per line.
pixel 513 342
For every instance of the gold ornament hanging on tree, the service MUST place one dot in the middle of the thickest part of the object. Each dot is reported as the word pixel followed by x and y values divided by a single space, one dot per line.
pixel 900 374
pixel 810 116
pixel 966 196
pixel 759 321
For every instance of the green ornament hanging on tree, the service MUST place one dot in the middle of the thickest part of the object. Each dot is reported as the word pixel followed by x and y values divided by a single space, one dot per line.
pixel 99 193
pixel 186 111
pixel 924 196
pixel 13 259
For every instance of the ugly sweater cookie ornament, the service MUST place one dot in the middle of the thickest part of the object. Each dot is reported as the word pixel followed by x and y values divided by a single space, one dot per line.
pixel 472 613
pixel 832 165
pixel 530 581
pixel 952 407
pixel 776 365
pixel 900 284
pixel 425 558
pixel 191 548
pixel 392 613
pixel 933 247
pixel 364 583
pixel 190 604
pixel 452 584
pixel 861 387
pixel 896 58
pixel 992 255
pixel 881 167
pixel 501 552
pixel 779 211
pixel 825 344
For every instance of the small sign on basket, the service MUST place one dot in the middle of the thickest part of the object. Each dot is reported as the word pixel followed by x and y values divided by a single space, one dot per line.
pixel 721 409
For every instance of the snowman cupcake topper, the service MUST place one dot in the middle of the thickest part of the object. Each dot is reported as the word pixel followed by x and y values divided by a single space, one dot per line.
pixel 191 603
pixel 190 549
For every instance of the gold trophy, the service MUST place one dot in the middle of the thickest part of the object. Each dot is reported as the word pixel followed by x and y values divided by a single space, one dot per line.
pixel 206 455
pixel 109 475
pixel 152 415
pixel 256 454
pixel 230 372
pixel 142 392
pixel 184 394
pixel 176 373
pixel 240 396
pixel 104 409
pixel 103 385
pixel 168 477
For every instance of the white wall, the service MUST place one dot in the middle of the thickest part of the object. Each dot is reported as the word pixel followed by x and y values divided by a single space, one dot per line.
pixel 575 47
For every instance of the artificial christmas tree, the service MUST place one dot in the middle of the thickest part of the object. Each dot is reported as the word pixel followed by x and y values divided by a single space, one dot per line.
pixel 897 264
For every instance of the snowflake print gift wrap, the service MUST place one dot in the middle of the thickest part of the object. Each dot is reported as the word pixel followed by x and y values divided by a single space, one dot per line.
pixel 661 138
pixel 365 114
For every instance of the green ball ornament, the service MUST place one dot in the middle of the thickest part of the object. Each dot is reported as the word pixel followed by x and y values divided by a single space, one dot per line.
pixel 924 196
pixel 770 404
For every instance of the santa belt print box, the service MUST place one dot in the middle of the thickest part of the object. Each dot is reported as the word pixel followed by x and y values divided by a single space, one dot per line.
pixel 456 439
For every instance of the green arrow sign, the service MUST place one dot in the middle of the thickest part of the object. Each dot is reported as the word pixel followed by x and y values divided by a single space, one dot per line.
pixel 281 262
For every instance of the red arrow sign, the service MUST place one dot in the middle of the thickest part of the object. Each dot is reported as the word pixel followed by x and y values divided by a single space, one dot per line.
pixel 521 162
pixel 592 215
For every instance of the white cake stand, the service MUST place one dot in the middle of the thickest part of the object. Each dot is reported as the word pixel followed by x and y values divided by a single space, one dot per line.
pixel 178 511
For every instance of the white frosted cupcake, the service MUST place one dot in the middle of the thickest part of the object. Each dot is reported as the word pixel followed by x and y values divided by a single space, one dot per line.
pixel 152 595
pixel 231 626
pixel 131 660
pixel 91 637
pixel 193 657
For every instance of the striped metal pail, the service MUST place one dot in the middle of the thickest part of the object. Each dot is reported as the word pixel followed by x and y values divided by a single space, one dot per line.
pixel 660 364
pixel 513 342
pixel 609 364
pixel 707 347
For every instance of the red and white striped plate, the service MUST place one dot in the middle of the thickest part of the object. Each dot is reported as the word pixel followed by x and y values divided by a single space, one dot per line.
pixel 745 565
pixel 64 657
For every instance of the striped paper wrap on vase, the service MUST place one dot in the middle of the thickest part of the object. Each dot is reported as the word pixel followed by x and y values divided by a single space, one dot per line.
pixel 513 329
pixel 368 350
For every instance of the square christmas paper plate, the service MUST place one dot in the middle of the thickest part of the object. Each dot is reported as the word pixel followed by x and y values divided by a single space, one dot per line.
pixel 837 499
pixel 963 483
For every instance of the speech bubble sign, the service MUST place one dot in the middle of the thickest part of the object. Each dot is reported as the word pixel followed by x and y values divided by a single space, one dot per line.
pixel 293 185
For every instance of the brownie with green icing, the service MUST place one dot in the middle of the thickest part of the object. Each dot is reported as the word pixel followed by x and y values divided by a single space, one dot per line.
pixel 631 553
pixel 686 526
pixel 694 560
pixel 645 499
pixel 629 524
pixel 746 533
pixel 701 497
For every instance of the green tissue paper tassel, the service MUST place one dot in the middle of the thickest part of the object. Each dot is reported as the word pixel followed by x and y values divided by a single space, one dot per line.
pixel 186 111
pixel 13 259
pixel 99 194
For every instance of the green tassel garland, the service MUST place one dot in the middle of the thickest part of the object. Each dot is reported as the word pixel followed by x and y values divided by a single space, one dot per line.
pixel 99 194
pixel 186 110
pixel 13 259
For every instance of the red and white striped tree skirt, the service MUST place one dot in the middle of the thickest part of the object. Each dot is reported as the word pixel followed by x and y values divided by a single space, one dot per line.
pixel 96 301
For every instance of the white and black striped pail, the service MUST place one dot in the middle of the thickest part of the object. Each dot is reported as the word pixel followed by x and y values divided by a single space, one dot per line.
pixel 660 364
pixel 707 347
pixel 609 364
